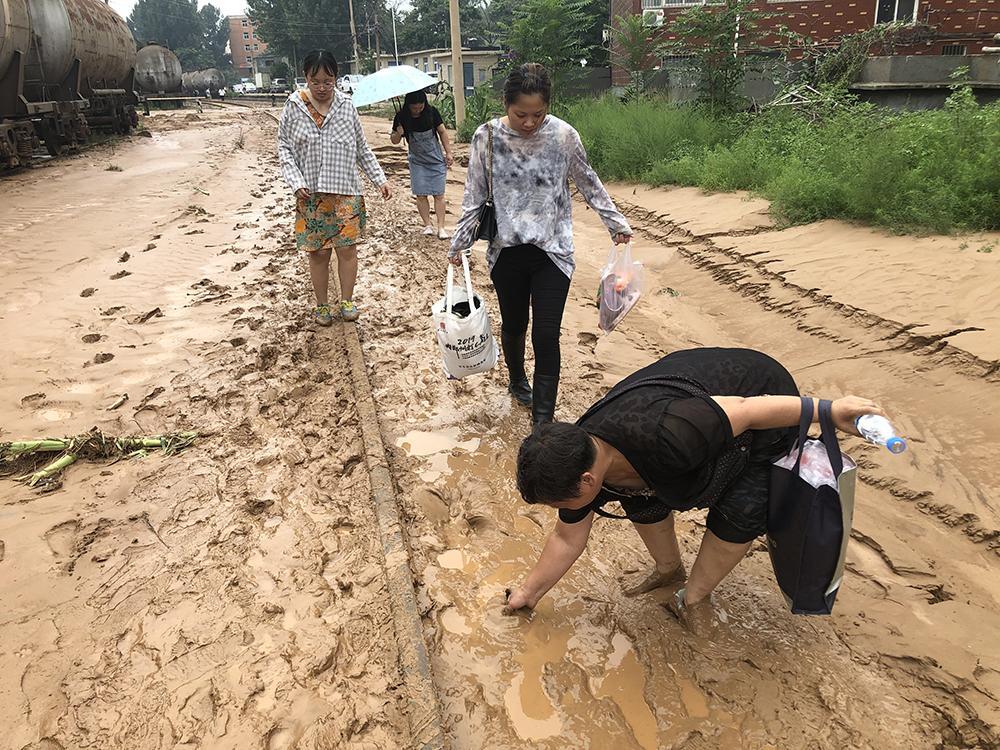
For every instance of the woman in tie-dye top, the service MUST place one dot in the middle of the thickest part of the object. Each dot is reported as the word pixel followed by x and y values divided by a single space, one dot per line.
pixel 531 259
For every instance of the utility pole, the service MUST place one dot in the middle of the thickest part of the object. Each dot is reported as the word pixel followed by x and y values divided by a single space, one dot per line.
pixel 354 38
pixel 395 44
pixel 378 41
pixel 458 74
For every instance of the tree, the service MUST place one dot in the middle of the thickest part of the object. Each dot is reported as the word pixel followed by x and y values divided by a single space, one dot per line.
pixel 553 33
pixel 215 32
pixel 634 49
pixel 427 25
pixel 712 36
pixel 294 27
pixel 172 23
pixel 281 69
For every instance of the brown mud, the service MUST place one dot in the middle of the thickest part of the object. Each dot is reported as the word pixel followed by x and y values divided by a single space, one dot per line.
pixel 235 595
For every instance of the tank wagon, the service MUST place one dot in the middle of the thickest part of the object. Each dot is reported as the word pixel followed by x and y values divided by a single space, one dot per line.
pixel 66 66
pixel 196 82
pixel 157 70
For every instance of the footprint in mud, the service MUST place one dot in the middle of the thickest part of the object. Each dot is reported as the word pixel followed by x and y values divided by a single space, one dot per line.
pixel 112 310
pixel 61 538
pixel 238 341
pixel 241 265
pixel 33 400
pixel 91 338
pixel 3 550
pixel 124 257
pixel 587 339
pixel 120 275
pixel 150 246
pixel 100 359
pixel 88 292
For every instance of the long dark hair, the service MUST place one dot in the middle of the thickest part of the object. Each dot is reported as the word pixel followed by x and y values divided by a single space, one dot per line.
pixel 407 120
pixel 525 80
pixel 320 59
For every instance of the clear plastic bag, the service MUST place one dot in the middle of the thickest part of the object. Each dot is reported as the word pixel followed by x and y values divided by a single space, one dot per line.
pixel 815 468
pixel 621 287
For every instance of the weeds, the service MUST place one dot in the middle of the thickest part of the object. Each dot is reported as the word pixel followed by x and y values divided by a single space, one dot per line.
pixel 915 171
pixel 112 168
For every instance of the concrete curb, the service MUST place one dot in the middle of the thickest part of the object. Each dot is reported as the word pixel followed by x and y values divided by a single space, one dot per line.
pixel 414 663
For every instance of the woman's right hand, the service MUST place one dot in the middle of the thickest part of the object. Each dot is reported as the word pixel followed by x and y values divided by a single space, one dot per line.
pixel 518 599
pixel 303 194
pixel 456 259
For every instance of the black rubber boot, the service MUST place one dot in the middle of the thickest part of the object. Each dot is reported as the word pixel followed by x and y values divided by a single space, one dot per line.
pixel 513 356
pixel 543 407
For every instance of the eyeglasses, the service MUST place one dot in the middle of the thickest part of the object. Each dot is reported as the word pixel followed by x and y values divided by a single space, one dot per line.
pixel 318 85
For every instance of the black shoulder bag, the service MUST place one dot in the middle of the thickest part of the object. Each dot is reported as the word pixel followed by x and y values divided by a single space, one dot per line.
pixel 486 228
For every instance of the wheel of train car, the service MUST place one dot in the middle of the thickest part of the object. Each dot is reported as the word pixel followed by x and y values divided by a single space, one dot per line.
pixel 55 144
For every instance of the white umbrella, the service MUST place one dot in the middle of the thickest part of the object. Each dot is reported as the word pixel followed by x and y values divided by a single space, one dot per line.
pixel 388 83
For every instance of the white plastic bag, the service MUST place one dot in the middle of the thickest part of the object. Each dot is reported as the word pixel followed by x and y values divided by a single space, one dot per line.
pixel 621 287
pixel 462 326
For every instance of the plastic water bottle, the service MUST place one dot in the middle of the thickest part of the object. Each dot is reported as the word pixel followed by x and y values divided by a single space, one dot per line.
pixel 878 430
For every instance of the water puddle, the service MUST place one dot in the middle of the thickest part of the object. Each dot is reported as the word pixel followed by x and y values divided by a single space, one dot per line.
pixel 436 449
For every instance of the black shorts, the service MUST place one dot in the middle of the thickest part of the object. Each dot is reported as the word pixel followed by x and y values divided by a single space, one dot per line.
pixel 739 516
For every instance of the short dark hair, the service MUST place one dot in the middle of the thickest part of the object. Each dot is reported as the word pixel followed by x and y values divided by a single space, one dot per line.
pixel 415 97
pixel 320 59
pixel 551 461
pixel 527 79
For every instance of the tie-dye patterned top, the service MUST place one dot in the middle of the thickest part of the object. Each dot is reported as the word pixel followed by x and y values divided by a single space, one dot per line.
pixel 531 191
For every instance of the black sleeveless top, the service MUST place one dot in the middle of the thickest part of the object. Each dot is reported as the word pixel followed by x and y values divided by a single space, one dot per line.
pixel 678 439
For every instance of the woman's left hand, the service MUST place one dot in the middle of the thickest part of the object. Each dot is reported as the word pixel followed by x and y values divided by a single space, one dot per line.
pixel 621 238
pixel 386 191
pixel 846 411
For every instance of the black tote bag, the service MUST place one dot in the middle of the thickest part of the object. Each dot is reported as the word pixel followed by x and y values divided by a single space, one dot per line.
pixel 808 527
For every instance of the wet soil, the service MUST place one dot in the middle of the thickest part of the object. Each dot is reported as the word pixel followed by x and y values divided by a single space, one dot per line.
pixel 235 596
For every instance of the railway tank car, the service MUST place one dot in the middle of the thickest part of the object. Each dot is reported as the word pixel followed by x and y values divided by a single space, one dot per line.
pixel 198 80
pixel 157 70
pixel 66 66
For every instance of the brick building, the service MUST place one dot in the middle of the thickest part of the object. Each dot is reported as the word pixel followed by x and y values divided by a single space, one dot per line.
pixel 941 27
pixel 244 46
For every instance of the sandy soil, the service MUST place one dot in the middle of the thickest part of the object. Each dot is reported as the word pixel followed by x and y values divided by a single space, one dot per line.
pixel 234 595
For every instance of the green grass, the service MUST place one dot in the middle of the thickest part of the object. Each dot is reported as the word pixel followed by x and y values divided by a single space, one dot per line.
pixel 911 172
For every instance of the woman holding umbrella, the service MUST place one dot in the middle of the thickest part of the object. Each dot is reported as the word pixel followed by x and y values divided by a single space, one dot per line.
pixel 429 156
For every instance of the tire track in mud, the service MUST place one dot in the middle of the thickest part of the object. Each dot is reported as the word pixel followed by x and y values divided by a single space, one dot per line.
pixel 754 279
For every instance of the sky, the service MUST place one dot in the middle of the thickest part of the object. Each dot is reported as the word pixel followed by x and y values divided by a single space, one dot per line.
pixel 228 7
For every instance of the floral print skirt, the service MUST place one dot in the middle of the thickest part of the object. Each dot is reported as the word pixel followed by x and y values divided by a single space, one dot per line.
pixel 324 221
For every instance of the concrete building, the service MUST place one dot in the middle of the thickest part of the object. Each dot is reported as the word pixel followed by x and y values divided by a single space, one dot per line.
pixel 246 48
pixel 940 27
pixel 478 65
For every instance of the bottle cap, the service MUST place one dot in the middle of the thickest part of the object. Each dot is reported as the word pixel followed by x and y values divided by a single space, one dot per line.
pixel 895 445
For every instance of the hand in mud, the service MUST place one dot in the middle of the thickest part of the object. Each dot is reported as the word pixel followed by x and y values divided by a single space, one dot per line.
pixel 518 602
pixel 846 411
pixel 622 239
pixel 386 191
pixel 303 193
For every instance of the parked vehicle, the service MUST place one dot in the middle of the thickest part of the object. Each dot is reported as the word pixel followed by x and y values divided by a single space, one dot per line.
pixel 300 83
pixel 348 82
pixel 279 85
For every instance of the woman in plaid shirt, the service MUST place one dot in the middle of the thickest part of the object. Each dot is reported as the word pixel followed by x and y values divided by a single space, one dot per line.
pixel 321 145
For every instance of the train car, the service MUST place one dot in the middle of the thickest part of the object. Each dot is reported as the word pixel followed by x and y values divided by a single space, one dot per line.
pixel 66 66
pixel 157 70
pixel 198 81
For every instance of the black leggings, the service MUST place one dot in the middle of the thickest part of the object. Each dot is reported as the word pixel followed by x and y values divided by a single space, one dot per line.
pixel 524 276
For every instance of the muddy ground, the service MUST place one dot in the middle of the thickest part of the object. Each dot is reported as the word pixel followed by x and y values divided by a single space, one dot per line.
pixel 234 595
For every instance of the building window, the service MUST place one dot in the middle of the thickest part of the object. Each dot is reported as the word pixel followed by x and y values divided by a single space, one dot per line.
pixel 888 11
pixel 449 73
pixel 249 59
pixel 482 75
pixel 953 49
pixel 255 46
pixel 246 35
pixel 244 22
